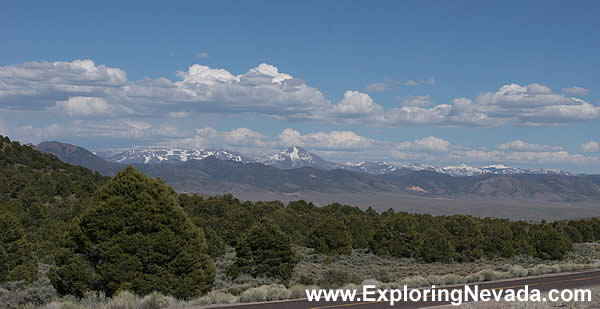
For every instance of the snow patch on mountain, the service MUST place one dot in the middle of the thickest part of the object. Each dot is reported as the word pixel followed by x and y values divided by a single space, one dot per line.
pixel 154 155
pixel 297 157
pixel 370 167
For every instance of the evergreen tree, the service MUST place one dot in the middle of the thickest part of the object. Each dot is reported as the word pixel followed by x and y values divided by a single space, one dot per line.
pixel 16 252
pixel 265 251
pixel 573 234
pixel 75 275
pixel 437 247
pixel 549 243
pixel 466 236
pixel 362 230
pixel 396 236
pixel 215 244
pixel 331 237
pixel 498 236
pixel 135 236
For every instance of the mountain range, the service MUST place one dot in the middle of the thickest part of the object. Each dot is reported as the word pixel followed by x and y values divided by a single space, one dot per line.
pixel 296 157
pixel 297 172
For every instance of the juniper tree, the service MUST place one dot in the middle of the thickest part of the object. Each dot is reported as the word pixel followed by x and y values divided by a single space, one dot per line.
pixel 265 251
pixel 135 236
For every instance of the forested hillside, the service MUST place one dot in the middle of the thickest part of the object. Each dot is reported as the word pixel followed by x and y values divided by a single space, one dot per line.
pixel 79 156
pixel 39 196
pixel 132 232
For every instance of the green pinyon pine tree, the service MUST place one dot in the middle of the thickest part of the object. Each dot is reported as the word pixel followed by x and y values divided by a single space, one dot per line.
pixel 17 261
pixel 265 251
pixel 134 236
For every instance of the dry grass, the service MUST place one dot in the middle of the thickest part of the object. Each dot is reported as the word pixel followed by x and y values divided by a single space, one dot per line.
pixel 347 271
pixel 361 265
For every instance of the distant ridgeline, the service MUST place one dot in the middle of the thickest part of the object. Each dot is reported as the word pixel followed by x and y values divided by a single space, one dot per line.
pixel 133 232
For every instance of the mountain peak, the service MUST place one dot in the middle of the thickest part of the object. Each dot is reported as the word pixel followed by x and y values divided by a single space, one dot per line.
pixel 175 155
pixel 78 156
pixel 294 148
pixel 295 157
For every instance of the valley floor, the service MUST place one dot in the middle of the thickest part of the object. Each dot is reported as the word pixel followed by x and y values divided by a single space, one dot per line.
pixel 514 209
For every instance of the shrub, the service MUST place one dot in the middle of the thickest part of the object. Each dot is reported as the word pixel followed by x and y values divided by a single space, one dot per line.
pixel 371 282
pixel 156 300
pixel 299 291
pixel 451 279
pixel 415 282
pixel 307 280
pixel 70 305
pixel 472 278
pixel 265 293
pixel 488 275
pixel 335 278
pixel 123 300
pixel 20 293
pixel 566 267
pixel 215 298
pixel 277 292
pixel 254 295
pixel 517 271
pixel 540 270
pixel 434 280
pixel 383 275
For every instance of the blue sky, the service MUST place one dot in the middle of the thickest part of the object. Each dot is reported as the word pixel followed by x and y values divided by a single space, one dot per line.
pixel 433 82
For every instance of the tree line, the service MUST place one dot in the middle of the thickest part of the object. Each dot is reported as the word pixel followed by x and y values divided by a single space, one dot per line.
pixel 338 229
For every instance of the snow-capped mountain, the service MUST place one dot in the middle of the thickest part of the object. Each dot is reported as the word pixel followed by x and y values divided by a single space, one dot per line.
pixel 418 167
pixel 387 168
pixel 295 157
pixel 452 170
pixel 155 155
pixel 502 169
pixel 370 167
pixel 460 170
pixel 551 171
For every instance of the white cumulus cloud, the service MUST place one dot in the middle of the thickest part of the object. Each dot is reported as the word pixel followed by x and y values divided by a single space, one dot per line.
pixel 578 91
pixel 357 103
pixel 332 140
pixel 82 88
pixel 519 145
pixel 430 143
pixel 84 106
pixel 38 85
pixel 590 146
pixel 419 101
pixel 263 90
pixel 389 84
